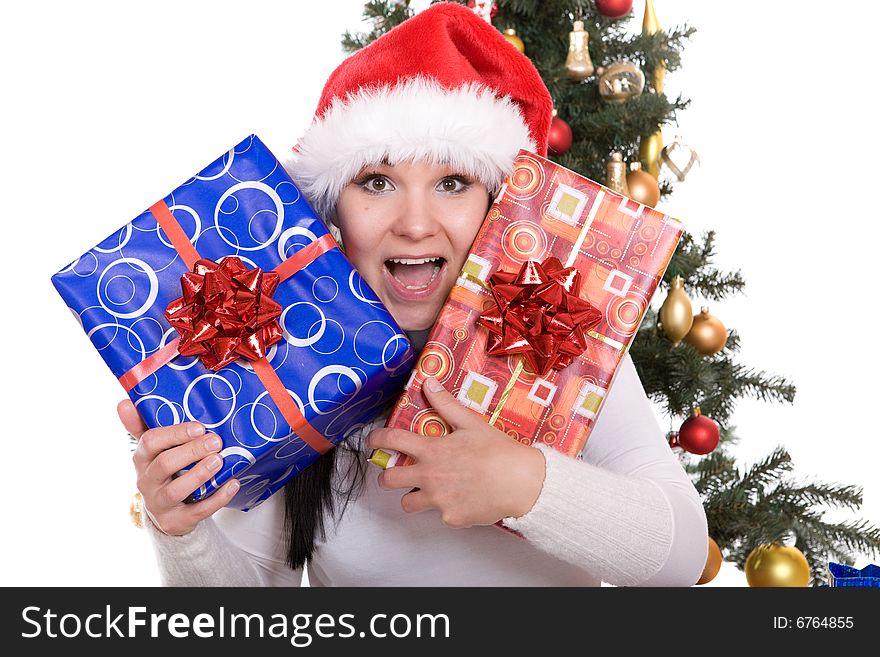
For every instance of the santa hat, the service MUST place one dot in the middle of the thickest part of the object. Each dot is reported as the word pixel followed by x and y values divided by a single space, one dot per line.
pixel 443 86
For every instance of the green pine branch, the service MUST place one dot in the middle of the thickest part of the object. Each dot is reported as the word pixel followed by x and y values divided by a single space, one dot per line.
pixel 384 16
pixel 693 262
pixel 849 497
pixel 679 377
pixel 764 505
pixel 713 473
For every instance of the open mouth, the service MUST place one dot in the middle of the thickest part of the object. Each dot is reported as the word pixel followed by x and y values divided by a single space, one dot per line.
pixel 415 274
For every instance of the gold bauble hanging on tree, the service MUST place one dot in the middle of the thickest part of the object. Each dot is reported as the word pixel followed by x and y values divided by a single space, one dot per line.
pixel 649 152
pixel 679 158
pixel 616 180
pixel 578 62
pixel 777 565
pixel 651 25
pixel 642 186
pixel 514 40
pixel 676 313
pixel 713 563
pixel 707 334
pixel 620 81
pixel 650 22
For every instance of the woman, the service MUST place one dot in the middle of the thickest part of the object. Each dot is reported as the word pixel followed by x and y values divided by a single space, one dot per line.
pixel 412 138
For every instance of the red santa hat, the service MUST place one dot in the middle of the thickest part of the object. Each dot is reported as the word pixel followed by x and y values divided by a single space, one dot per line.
pixel 443 86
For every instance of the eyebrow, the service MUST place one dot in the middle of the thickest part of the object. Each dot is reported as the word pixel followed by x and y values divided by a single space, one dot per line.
pixel 372 165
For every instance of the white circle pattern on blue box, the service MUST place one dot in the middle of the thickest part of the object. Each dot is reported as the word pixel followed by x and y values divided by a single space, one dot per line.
pixel 343 358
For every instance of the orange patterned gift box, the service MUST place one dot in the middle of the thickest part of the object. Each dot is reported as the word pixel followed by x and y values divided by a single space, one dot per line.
pixel 620 248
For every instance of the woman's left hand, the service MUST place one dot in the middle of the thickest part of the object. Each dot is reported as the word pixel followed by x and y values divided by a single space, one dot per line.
pixel 476 475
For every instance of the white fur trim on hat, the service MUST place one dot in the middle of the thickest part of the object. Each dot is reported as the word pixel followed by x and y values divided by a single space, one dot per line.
pixel 417 119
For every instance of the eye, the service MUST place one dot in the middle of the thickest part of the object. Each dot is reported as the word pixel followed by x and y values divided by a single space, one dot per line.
pixel 375 184
pixel 453 184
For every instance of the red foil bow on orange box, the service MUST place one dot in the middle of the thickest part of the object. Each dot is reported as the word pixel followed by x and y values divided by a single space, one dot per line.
pixel 538 314
pixel 553 291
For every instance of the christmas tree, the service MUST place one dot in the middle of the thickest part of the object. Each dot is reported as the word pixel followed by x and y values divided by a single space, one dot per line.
pixel 607 83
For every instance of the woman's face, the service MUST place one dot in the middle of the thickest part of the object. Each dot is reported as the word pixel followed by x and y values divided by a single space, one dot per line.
pixel 407 229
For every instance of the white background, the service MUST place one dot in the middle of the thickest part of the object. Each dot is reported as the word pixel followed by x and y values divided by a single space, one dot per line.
pixel 109 106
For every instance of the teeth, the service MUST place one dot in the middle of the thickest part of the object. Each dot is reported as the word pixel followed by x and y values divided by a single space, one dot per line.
pixel 413 261
pixel 422 287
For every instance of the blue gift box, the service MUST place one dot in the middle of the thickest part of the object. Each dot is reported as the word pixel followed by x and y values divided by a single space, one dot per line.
pixel 342 358
pixel 842 575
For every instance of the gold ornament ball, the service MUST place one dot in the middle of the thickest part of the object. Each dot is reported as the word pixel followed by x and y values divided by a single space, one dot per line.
pixel 676 313
pixel 777 565
pixel 642 186
pixel 707 334
pixel 512 38
pixel 713 563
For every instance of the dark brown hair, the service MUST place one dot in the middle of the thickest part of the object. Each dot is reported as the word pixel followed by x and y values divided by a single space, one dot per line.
pixel 315 494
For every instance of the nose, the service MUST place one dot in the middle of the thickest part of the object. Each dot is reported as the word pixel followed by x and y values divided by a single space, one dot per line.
pixel 417 217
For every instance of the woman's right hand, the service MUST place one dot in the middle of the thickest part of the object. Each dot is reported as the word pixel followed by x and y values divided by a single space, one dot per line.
pixel 163 452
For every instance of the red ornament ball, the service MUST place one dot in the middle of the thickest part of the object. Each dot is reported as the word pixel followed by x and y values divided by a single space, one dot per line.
pixel 560 137
pixel 699 434
pixel 614 8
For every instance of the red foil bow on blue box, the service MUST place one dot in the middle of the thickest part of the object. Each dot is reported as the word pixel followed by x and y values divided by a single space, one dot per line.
pixel 229 303
pixel 226 312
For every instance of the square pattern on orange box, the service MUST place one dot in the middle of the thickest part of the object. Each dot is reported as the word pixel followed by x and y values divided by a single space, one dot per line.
pixel 621 249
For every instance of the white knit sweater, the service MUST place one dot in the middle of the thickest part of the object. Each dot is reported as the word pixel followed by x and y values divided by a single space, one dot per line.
pixel 626 514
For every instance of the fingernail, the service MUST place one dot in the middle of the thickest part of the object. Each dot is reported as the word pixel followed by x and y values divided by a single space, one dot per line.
pixel 433 384
pixel 213 443
pixel 196 430
pixel 233 487
pixel 214 462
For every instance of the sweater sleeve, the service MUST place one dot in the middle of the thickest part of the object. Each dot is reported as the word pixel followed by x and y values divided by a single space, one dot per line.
pixel 233 548
pixel 628 512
